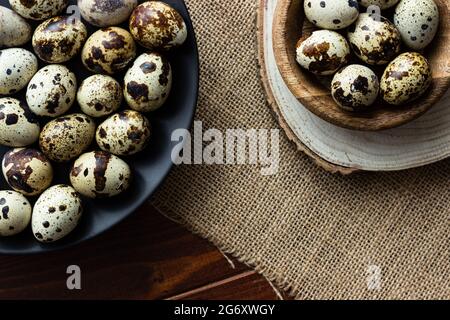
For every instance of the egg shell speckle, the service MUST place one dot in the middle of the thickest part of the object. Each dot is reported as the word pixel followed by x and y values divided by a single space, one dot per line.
pixel 18 125
pixel 99 95
pixel 355 87
pixel 417 21
pixel 59 39
pixel 331 14
pixel 17 67
pixel 383 4
pixel 323 53
pixel 14 30
pixel 27 171
pixel 124 133
pixel 406 78
pixel 99 174
pixel 148 82
pixel 67 137
pixel 104 13
pixel 56 213
pixel 38 9
pixel 157 26
pixel 15 213
pixel 108 50
pixel 374 39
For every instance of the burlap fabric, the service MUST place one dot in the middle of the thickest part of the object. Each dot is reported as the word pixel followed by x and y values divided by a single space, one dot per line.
pixel 312 233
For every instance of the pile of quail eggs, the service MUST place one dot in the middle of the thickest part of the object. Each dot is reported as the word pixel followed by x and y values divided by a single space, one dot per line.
pixel 361 27
pixel 42 128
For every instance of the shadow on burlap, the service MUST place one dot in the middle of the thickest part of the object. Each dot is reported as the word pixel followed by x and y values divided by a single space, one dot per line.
pixel 312 233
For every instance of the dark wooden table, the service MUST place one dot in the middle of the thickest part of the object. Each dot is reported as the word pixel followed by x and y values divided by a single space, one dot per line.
pixel 145 257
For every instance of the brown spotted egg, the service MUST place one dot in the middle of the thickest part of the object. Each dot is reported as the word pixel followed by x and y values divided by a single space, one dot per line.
pixel 331 14
pixel 56 213
pixel 382 4
pixel 417 21
pixel 99 174
pixel 59 39
pixel 17 67
pixel 374 39
pixel 323 53
pixel 148 82
pixel 38 9
pixel 14 30
pixel 355 87
pixel 27 171
pixel 104 13
pixel 15 213
pixel 124 133
pixel 405 79
pixel 99 95
pixel 108 50
pixel 156 25
pixel 67 137
pixel 51 92
pixel 18 125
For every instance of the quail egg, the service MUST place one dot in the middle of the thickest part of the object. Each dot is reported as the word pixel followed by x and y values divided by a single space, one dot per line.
pixel 104 13
pixel 355 87
pixel 38 9
pixel 27 171
pixel 17 67
pixel 15 213
pixel 99 174
pixel 56 213
pixel 124 133
pixel 51 92
pixel 156 25
pixel 108 50
pixel 405 79
pixel 59 39
pixel 148 82
pixel 374 39
pixel 99 95
pixel 331 14
pixel 417 21
pixel 382 4
pixel 67 137
pixel 18 125
pixel 323 53
pixel 14 30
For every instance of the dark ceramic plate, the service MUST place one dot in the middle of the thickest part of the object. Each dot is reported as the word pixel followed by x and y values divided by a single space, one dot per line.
pixel 149 167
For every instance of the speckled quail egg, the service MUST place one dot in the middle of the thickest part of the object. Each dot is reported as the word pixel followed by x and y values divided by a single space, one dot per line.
pixel 355 88
pixel 18 125
pixel 148 82
pixel 405 79
pixel 59 39
pixel 156 25
pixel 104 13
pixel 17 67
pixel 56 213
pixel 108 50
pixel 67 137
pixel 51 92
pixel 27 171
pixel 15 213
pixel 374 39
pixel 99 95
pixel 417 21
pixel 124 133
pixel 383 4
pixel 14 30
pixel 99 174
pixel 38 9
pixel 323 53
pixel 331 14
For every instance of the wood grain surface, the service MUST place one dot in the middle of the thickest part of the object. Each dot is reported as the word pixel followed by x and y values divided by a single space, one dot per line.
pixel 145 257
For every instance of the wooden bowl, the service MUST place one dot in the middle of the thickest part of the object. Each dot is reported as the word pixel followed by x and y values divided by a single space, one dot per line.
pixel 290 25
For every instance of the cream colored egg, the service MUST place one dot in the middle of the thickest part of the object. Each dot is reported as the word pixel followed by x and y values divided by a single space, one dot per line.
pixel 14 30
pixel 104 13
pixel 15 213
pixel 331 14
pixel 17 67
pixel 38 9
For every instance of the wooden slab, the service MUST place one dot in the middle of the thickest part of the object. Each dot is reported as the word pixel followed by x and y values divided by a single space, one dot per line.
pixel 423 141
